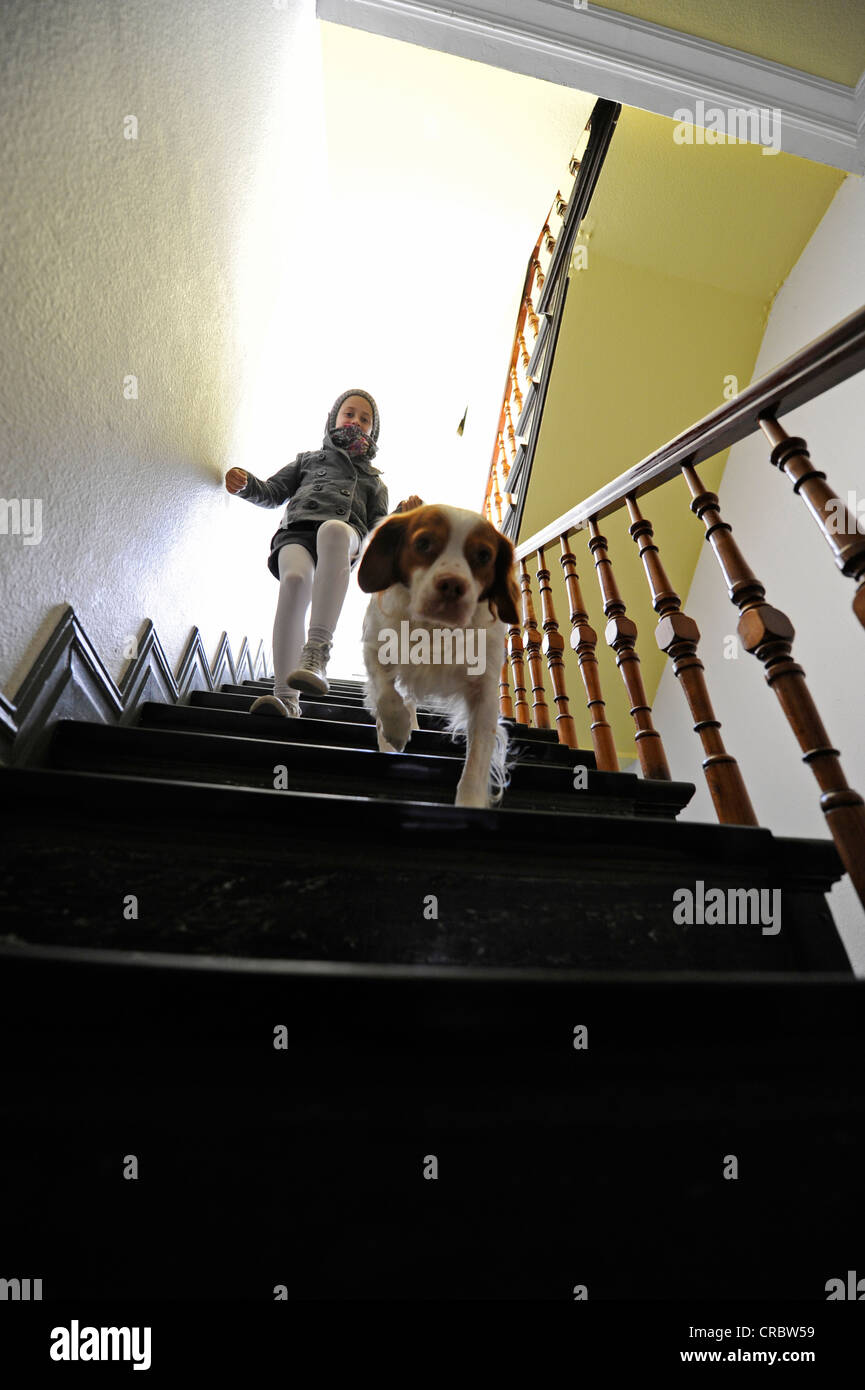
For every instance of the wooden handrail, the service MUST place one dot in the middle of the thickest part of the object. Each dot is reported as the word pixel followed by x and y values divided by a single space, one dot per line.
pixel 823 363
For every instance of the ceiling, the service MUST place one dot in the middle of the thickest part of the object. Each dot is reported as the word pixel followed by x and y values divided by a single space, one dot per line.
pixel 826 38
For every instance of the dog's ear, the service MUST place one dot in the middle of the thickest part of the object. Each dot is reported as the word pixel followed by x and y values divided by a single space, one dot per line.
pixel 504 591
pixel 377 569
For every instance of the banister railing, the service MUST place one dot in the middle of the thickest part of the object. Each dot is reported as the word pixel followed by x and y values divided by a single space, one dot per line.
pixel 765 631
pixel 539 318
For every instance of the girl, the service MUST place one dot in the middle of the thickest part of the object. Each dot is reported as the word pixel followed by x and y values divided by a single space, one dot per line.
pixel 335 497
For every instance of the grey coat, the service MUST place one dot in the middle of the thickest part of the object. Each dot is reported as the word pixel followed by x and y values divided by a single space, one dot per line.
pixel 322 485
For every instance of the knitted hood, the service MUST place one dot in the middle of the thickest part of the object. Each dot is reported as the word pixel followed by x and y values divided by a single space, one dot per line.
pixel 334 411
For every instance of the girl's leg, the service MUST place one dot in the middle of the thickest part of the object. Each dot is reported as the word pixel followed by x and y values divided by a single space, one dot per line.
pixel 296 570
pixel 336 544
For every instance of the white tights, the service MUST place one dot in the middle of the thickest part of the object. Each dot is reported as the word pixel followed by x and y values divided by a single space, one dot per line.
pixel 302 580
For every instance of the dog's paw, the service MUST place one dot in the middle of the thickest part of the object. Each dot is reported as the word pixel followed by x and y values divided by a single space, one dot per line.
pixel 383 745
pixel 469 795
pixel 393 726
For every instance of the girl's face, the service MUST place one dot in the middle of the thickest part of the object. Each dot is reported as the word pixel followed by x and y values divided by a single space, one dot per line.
pixel 355 411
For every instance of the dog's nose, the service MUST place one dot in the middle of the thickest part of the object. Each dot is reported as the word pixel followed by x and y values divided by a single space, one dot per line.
pixel 450 586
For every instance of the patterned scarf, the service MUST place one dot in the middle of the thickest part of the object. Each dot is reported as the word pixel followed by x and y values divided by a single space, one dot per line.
pixel 356 444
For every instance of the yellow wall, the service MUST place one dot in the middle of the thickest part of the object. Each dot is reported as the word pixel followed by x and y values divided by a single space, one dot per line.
pixel 826 38
pixel 688 246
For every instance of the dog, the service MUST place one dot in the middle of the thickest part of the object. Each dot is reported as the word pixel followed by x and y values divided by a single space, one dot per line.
pixel 443 585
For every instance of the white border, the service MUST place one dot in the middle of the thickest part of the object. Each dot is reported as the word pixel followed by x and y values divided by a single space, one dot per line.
pixel 608 54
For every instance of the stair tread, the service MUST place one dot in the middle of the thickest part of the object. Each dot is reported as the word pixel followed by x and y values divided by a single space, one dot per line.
pixel 309 728
pixel 316 875
pixel 36 787
pixel 477 1066
pixel 218 699
pixel 221 758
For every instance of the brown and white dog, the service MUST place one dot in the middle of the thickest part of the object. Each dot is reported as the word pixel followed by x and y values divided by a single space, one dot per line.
pixel 443 584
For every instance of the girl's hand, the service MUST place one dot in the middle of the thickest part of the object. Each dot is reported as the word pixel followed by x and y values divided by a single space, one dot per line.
pixel 236 479
pixel 410 503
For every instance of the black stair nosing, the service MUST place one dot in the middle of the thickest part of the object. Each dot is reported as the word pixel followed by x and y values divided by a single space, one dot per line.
pixel 123 799
pixel 349 714
pixel 309 728
pixel 85 739
pixel 360 715
pixel 680 986
pixel 79 745
pixel 335 698
pixel 341 687
pixel 338 699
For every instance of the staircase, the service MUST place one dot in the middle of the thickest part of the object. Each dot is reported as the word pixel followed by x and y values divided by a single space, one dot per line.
pixel 166 907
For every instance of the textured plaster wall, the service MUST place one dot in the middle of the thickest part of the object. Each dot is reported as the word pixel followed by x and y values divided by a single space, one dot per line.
pixel 783 546
pixel 167 258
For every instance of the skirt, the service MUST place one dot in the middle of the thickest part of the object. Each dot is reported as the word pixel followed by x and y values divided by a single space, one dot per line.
pixel 302 533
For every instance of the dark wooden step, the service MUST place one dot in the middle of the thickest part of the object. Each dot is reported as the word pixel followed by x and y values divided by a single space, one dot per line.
pixel 304 1166
pixel 227 760
pixel 324 877
pixel 325 709
pixel 336 733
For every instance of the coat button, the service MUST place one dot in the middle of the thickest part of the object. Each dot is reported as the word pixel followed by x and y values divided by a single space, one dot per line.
pixel 317 487
pixel 345 492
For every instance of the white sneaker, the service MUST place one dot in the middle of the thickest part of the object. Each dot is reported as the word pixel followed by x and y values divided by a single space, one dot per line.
pixel 310 672
pixel 289 708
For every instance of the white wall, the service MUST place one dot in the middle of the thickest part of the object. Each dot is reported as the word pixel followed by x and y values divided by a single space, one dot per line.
pixel 245 258
pixel 784 548
pixel 167 257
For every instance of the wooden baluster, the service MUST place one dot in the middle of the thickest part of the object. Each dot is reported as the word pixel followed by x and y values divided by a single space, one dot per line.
pixel 573 165
pixel 839 528
pixel 497 495
pixel 515 388
pixel 540 712
pixel 539 274
pixel 678 635
pixel 561 205
pixel 553 646
pixel 621 634
pixel 768 634
pixel 524 352
pixel 531 315
pixel 511 433
pixel 515 647
pixel 506 705
pixel 503 463
pixel 549 239
pixel 584 640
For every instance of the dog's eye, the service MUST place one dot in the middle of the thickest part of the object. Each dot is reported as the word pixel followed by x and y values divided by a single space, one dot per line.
pixel 422 543
pixel 483 556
